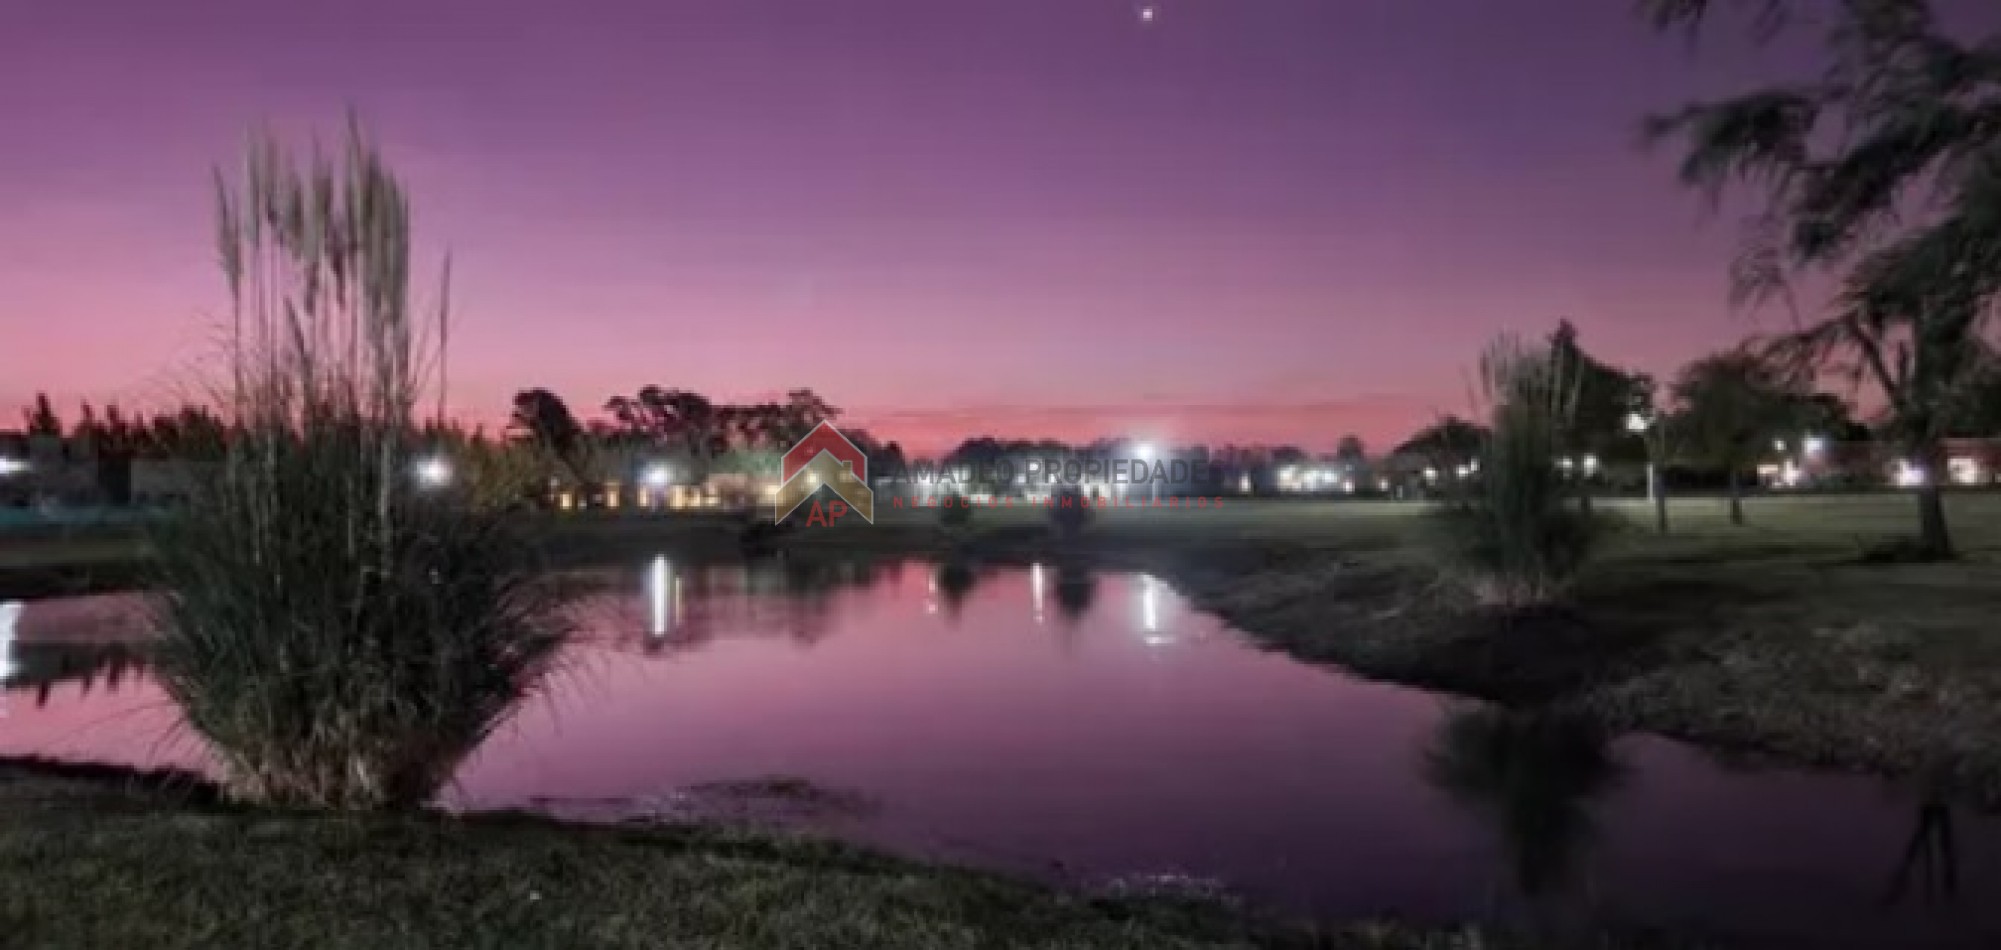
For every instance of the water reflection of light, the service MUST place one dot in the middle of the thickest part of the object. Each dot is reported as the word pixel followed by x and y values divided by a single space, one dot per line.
pixel 1035 588
pixel 1149 608
pixel 10 611
pixel 931 592
pixel 657 580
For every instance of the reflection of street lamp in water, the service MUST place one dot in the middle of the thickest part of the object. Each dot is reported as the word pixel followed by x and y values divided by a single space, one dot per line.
pixel 1149 610
pixel 1035 588
pixel 10 612
pixel 659 578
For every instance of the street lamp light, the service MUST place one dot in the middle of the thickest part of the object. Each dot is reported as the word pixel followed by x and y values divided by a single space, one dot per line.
pixel 1642 425
pixel 11 466
pixel 656 478
pixel 434 472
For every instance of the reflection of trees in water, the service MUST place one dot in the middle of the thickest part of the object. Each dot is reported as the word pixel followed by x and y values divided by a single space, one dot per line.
pixel 1929 861
pixel 954 582
pixel 686 607
pixel 1076 587
pixel 1534 778
pixel 40 667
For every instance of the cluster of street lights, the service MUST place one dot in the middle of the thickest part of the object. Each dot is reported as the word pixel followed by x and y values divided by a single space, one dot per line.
pixel 1292 478
pixel 1588 464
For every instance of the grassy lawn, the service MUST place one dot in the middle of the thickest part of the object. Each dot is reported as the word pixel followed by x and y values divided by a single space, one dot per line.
pixel 114 864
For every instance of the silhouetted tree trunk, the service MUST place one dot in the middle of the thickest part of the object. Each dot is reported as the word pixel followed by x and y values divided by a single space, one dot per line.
pixel 1657 487
pixel 1933 538
pixel 1736 497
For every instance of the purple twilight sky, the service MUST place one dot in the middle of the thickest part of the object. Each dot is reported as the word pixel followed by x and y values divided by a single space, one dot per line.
pixel 1237 220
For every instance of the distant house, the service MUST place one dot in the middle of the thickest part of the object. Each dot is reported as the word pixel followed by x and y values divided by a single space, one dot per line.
pixel 1818 464
pixel 46 470
pixel 653 477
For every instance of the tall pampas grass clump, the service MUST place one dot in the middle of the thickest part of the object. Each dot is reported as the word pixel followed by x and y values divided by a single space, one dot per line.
pixel 1509 534
pixel 340 634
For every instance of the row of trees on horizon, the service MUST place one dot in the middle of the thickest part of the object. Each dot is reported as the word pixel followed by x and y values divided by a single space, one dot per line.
pixel 1720 412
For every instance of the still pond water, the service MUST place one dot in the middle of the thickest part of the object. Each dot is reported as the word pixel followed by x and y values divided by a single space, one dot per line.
pixel 1094 730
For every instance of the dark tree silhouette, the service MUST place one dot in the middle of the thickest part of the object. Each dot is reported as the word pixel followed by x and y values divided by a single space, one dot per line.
pixel 1446 444
pixel 542 416
pixel 1350 451
pixel 1605 396
pixel 1904 118
pixel 41 419
pixel 1732 406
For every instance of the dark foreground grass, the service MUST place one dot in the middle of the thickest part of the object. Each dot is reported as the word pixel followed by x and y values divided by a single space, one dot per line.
pixel 91 861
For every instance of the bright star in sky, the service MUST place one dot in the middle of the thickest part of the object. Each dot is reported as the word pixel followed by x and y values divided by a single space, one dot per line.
pixel 1146 14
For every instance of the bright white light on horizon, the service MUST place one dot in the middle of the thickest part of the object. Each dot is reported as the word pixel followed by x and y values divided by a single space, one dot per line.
pixel 658 476
pixel 1636 422
pixel 1591 463
pixel 434 471
pixel 1814 445
pixel 1909 476
pixel 1144 450
pixel 11 466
